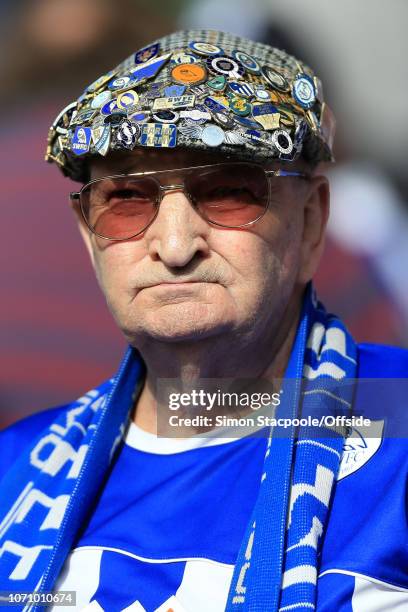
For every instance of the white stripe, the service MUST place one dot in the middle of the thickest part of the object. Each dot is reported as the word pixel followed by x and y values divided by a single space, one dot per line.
pixel 299 574
pixel 315 337
pixel 327 367
pixel 81 573
pixel 365 577
pixel 376 597
pixel 148 442
pixel 335 340
pixel 204 587
pixel 139 558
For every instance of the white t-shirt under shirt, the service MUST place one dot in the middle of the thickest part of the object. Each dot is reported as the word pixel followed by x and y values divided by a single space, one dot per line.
pixel 165 533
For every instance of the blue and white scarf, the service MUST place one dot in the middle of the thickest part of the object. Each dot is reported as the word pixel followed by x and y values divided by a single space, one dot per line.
pixel 47 495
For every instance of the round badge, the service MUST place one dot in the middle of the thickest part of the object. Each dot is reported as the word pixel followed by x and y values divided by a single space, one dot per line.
pixel 224 120
pixel 127 98
pixel 119 83
pixel 127 134
pixel 225 65
pixel 166 116
pixel 276 79
pixel 180 57
pixel 109 107
pixel 262 94
pixel 101 99
pixel 282 142
pixel 247 61
pixel 203 48
pixel 189 74
pixel 304 90
pixel 212 135
pixel 139 116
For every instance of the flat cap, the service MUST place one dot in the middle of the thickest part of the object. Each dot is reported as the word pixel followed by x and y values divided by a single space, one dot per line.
pixel 200 89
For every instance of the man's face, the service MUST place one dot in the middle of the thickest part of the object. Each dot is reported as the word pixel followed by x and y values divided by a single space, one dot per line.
pixel 184 279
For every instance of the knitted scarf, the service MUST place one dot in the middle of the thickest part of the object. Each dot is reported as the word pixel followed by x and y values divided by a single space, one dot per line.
pixel 47 495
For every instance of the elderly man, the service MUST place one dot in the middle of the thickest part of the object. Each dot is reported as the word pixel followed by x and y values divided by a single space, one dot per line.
pixel 204 217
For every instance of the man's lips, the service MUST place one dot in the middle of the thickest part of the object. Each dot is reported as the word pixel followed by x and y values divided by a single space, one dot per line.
pixel 177 285
pixel 174 283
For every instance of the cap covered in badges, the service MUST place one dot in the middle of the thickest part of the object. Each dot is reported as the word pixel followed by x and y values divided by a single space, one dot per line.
pixel 198 89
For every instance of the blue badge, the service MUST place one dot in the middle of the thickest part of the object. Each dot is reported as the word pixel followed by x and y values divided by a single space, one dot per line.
pixel 257 137
pixel 213 105
pixel 247 61
pixel 264 114
pixel 173 91
pixel 109 108
pixel 146 54
pixel 122 82
pixel 304 90
pixel 158 135
pixel 148 69
pixel 81 140
pixel 166 116
pixel 264 109
pixel 242 89
pixel 138 116
pixel 254 134
pixel 248 123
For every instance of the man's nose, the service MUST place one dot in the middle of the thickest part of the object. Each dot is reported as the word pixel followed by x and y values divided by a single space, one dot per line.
pixel 178 233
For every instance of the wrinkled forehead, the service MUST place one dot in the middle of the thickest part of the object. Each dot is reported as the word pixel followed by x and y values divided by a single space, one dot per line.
pixel 141 160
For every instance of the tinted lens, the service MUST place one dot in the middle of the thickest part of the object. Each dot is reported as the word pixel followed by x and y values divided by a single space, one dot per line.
pixel 231 195
pixel 120 208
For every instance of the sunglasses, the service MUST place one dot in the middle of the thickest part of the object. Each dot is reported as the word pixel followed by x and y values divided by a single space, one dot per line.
pixel 229 195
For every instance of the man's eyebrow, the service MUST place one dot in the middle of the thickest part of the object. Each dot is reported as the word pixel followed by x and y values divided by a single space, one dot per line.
pixel 122 169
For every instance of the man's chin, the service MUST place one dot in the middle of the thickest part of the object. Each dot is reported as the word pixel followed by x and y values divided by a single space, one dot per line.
pixel 182 328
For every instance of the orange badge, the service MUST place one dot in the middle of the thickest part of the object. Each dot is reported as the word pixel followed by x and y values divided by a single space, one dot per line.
pixel 190 74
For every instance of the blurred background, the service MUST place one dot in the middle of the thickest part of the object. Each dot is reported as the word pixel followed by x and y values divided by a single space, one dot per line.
pixel 57 339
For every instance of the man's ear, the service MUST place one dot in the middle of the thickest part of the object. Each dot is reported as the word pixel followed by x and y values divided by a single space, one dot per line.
pixel 84 230
pixel 315 216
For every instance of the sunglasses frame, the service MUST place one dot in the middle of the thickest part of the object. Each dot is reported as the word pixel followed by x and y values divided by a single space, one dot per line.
pixel 76 196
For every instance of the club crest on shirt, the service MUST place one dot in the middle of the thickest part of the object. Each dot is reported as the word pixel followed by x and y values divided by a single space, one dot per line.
pixel 359 447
